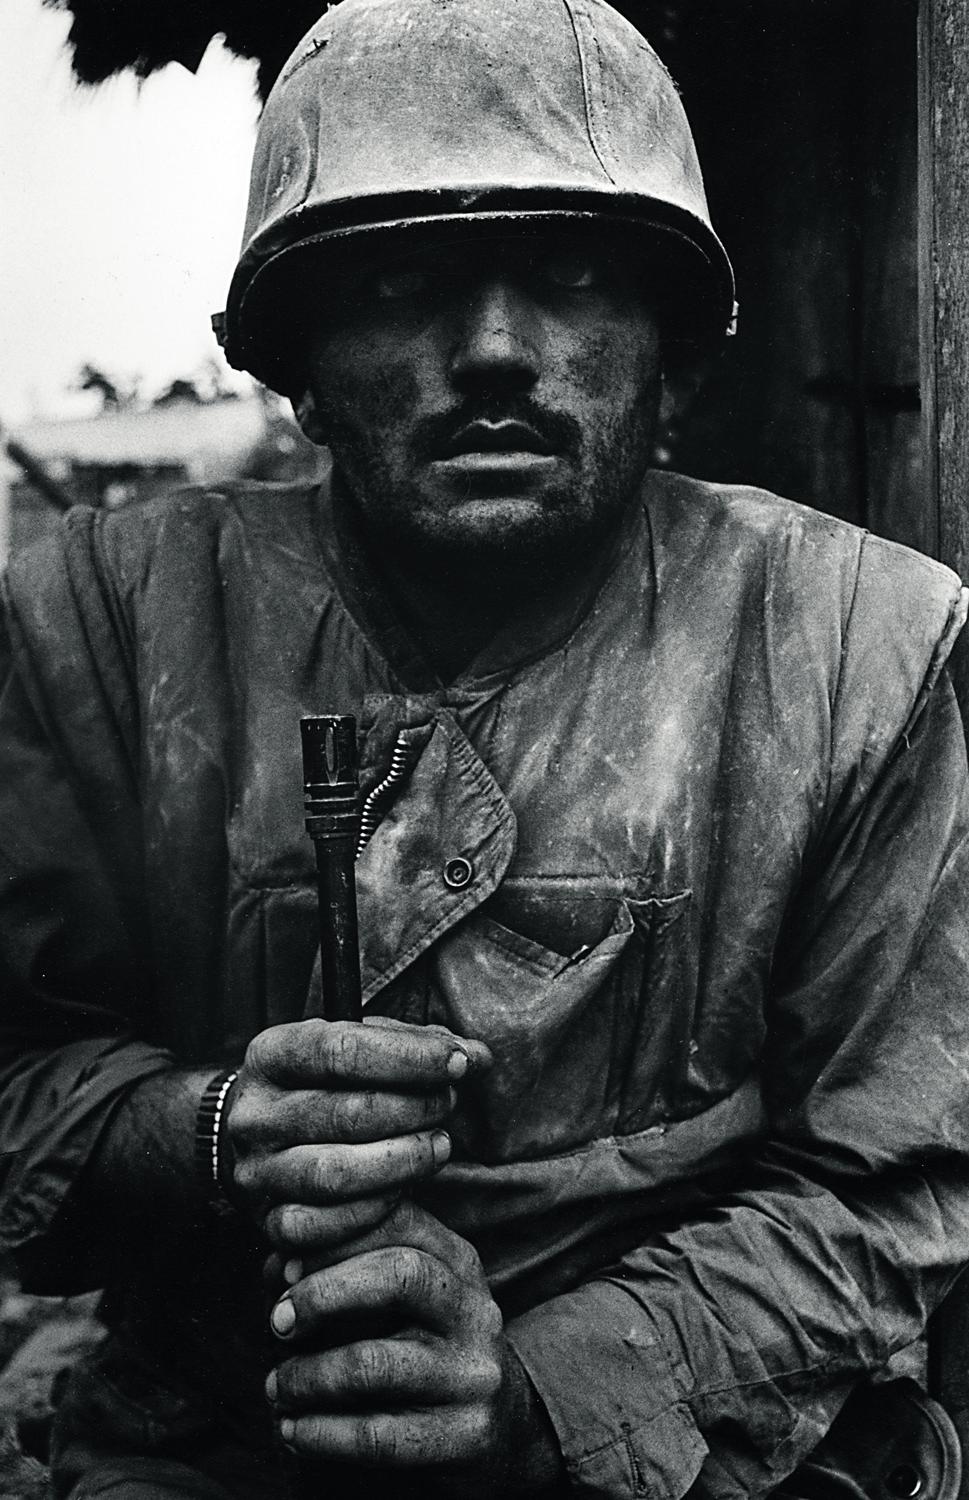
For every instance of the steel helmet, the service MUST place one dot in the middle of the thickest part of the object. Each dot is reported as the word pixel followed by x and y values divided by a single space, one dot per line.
pixel 398 113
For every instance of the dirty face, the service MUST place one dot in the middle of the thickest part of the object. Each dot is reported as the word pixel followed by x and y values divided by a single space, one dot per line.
pixel 489 399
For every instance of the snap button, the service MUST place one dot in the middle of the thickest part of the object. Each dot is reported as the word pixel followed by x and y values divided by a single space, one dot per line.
pixel 905 1481
pixel 458 872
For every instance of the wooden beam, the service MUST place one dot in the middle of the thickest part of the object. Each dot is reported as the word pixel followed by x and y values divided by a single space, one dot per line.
pixel 944 360
pixel 944 284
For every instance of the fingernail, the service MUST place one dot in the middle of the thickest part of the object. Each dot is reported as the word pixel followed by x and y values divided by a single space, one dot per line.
pixel 287 1427
pixel 283 1318
pixel 293 1272
pixel 272 1387
pixel 457 1065
pixel 440 1147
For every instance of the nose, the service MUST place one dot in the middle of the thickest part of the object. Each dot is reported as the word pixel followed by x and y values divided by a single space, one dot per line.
pixel 499 339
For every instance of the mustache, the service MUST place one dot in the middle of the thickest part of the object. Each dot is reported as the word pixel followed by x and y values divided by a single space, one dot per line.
pixel 561 432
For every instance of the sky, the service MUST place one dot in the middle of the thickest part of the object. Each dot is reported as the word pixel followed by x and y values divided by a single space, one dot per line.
pixel 121 210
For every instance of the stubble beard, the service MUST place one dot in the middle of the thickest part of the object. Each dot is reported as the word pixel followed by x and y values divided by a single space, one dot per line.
pixel 513 542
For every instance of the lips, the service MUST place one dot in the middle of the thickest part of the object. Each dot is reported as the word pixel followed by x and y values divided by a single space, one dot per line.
pixel 482 436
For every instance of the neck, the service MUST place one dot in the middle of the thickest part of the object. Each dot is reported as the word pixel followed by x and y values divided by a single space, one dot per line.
pixel 455 609
pixel 458 611
pixel 454 615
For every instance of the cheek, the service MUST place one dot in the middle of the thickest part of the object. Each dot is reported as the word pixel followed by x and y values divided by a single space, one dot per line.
pixel 368 399
pixel 615 371
pixel 591 365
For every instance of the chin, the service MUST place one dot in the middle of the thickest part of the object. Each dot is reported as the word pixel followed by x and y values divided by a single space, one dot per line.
pixel 514 532
pixel 484 517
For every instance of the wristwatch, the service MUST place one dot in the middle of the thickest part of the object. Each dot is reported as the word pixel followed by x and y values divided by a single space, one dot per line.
pixel 209 1122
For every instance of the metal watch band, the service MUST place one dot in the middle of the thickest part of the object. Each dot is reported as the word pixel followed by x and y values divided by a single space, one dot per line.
pixel 208 1123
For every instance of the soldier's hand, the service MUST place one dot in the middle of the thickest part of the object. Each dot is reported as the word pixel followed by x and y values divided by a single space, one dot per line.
pixel 330 1123
pixel 399 1361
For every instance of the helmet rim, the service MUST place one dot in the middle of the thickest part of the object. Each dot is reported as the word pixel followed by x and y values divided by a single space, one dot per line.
pixel 253 340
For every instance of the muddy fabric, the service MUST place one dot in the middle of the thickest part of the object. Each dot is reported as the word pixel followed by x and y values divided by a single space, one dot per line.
pixel 887 1439
pixel 716 816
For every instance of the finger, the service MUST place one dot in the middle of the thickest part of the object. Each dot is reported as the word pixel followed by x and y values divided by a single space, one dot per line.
pixel 332 1174
pixel 413 1285
pixel 404 1223
pixel 373 1373
pixel 280 1271
pixel 479 1054
pixel 318 1053
pixel 404 1439
pixel 326 1229
pixel 306 1117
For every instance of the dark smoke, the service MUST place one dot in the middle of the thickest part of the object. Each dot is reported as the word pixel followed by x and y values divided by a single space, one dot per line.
pixel 112 36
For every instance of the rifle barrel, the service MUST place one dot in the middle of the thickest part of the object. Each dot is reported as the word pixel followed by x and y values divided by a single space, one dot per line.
pixel 331 790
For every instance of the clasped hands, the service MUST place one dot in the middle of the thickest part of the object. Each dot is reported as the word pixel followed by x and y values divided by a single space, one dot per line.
pixel 394 1353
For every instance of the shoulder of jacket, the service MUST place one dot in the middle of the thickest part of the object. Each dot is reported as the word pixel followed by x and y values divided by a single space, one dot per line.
pixel 906 613
pixel 176 522
pixel 889 615
pixel 745 517
pixel 823 554
pixel 94 561
pixel 173 520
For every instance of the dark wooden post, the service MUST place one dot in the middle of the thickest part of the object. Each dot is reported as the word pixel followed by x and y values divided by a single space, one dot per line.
pixel 944 282
pixel 944 297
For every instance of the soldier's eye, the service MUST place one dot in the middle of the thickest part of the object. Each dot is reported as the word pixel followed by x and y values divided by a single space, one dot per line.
pixel 398 282
pixel 573 270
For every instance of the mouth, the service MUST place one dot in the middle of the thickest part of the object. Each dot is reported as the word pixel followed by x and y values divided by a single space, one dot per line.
pixel 482 437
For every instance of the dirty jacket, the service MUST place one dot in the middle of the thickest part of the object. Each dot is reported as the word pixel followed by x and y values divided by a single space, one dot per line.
pixel 710 825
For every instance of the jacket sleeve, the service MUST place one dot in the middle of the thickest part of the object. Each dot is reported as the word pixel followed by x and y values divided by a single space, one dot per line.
pixel 72 925
pixel 713 1358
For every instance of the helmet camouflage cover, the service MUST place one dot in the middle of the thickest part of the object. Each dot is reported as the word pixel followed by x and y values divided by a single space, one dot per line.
pixel 392 114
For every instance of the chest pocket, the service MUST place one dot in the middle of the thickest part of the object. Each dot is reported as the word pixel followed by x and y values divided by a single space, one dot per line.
pixel 585 1047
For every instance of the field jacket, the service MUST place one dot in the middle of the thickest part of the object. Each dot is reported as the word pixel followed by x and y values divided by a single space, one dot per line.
pixel 687 850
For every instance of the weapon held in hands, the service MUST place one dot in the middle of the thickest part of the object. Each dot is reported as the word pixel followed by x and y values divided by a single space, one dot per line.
pixel 331 791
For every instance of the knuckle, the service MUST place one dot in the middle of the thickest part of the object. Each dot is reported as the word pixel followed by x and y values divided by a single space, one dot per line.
pixel 408 1218
pixel 375 1443
pixel 244 1118
pixel 368 1368
pixel 262 1053
pixel 252 1062
pixel 308 1301
pixel 286 1384
pixel 366 1213
pixel 487 1377
pixel 345 1116
pixel 418 1156
pixel 329 1174
pixel 342 1048
pixel 491 1320
pixel 295 1383
pixel 408 1272
pixel 284 1224
pixel 466 1260
pixel 276 1223
pixel 302 1384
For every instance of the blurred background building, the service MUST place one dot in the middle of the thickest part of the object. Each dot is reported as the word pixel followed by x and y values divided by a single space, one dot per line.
pixel 130 452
